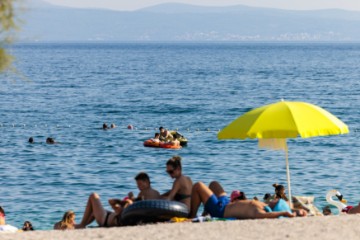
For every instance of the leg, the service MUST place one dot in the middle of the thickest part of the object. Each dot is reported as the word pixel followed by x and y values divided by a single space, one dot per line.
pixel 93 211
pixel 217 189
pixel 200 194
pixel 355 210
pixel 263 214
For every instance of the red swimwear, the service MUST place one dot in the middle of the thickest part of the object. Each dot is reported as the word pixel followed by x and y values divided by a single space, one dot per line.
pixel 346 209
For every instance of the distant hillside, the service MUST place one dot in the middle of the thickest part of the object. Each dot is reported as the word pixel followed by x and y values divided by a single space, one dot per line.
pixel 181 22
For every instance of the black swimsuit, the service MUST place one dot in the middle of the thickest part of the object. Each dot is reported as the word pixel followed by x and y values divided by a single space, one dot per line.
pixel 106 219
pixel 179 196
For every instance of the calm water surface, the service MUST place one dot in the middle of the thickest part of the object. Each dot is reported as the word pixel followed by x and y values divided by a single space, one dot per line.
pixel 69 90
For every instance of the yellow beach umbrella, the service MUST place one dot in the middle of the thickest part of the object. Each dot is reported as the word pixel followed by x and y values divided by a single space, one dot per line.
pixel 273 123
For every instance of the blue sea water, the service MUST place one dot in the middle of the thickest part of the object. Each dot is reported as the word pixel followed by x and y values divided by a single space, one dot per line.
pixel 67 91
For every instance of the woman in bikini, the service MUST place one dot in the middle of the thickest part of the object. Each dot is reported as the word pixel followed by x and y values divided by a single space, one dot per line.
pixel 94 210
pixel 182 186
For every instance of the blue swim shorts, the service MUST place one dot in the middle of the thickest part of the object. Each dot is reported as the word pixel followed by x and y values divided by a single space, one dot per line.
pixel 216 205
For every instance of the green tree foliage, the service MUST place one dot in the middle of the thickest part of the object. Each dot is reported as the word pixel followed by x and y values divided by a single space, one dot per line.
pixel 7 25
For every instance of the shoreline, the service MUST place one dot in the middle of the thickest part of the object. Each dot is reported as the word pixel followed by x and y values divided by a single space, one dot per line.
pixel 329 227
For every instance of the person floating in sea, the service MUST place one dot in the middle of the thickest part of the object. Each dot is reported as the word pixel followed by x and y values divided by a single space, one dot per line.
pixel 165 135
pixel 50 140
pixel 112 125
pixel 181 189
pixel 105 126
pixel 31 140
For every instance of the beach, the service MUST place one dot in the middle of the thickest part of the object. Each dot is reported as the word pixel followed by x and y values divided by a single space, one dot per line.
pixel 330 227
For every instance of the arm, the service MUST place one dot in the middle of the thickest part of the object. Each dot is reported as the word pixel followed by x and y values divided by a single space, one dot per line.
pixel 116 205
pixel 165 194
pixel 174 190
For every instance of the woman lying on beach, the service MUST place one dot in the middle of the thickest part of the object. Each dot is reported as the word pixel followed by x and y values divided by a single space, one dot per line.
pixel 181 189
pixel 94 210
pixel 218 207
pixel 67 222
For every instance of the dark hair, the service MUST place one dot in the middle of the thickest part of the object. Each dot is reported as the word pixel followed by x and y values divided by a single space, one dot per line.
pixel 2 211
pixel 157 134
pixel 50 140
pixel 160 128
pixel 105 126
pixel 31 140
pixel 142 176
pixel 278 193
pixel 27 226
pixel 175 162
pixel 267 196
pixel 242 196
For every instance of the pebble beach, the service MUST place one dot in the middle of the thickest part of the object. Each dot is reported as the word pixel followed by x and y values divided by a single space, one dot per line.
pixel 330 227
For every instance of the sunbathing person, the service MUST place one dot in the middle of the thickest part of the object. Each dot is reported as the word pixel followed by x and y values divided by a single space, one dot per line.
pixel 237 195
pixel 144 185
pixel 3 226
pixel 66 223
pixel 94 211
pixel 245 209
pixel 181 189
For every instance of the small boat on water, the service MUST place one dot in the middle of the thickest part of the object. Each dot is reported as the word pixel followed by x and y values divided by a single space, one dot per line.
pixel 152 143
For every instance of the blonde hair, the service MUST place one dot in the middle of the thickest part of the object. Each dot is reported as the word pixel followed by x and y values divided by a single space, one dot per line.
pixel 66 222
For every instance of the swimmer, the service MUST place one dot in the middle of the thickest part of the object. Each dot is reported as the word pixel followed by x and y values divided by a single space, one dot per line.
pixel 50 140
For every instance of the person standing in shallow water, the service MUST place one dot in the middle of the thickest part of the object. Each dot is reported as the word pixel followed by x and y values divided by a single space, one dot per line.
pixel 182 186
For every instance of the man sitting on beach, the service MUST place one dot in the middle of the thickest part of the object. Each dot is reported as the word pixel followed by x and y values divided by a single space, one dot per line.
pixel 144 185
pixel 245 209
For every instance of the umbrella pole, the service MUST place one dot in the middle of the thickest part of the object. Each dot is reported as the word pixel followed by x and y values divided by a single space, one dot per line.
pixel 288 176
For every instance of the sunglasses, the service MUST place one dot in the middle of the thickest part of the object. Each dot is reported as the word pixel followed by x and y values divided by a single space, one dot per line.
pixel 170 171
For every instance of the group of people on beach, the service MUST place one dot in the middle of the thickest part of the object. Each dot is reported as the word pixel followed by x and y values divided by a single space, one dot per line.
pixel 215 200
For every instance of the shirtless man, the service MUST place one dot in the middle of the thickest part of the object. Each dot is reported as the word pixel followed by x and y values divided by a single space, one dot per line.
pixel 144 185
pixel 218 207
pixel 165 135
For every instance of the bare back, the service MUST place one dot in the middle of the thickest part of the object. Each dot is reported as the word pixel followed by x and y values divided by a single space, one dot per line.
pixel 251 209
pixel 184 186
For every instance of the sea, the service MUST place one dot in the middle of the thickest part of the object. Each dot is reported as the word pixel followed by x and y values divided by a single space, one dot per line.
pixel 68 90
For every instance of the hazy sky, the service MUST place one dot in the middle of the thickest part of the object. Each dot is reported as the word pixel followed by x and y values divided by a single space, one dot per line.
pixel 283 4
